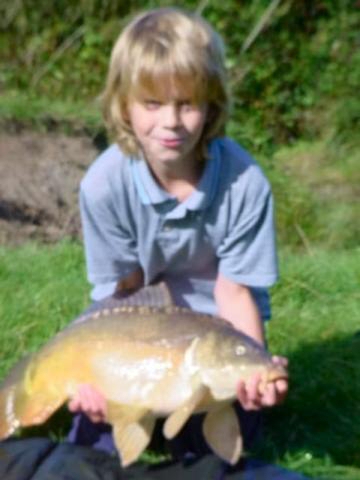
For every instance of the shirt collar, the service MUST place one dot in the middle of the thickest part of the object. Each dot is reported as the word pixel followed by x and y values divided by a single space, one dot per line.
pixel 150 192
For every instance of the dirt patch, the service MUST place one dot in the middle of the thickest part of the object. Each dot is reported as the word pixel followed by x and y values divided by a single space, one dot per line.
pixel 39 179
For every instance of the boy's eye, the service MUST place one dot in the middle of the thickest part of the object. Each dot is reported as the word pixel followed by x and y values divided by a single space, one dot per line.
pixel 188 105
pixel 152 104
pixel 185 103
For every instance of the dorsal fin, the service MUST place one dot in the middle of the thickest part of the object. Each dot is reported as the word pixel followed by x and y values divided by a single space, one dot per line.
pixel 157 295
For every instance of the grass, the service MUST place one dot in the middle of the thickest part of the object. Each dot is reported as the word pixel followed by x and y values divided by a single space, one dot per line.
pixel 315 324
pixel 321 191
pixel 42 288
pixel 37 112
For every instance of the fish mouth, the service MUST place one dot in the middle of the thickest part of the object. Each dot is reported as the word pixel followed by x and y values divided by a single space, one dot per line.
pixel 275 372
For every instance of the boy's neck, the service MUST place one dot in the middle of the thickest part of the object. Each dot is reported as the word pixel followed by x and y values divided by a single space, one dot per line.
pixel 179 188
pixel 178 180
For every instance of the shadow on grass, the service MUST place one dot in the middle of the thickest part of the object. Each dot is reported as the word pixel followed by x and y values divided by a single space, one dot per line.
pixel 321 414
pixel 56 428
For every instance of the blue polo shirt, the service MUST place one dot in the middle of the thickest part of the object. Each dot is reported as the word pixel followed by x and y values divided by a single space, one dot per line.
pixel 225 225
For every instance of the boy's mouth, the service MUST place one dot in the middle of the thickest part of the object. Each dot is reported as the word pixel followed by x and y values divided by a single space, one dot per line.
pixel 171 142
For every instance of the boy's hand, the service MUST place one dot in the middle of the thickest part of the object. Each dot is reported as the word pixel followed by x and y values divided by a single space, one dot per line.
pixel 90 401
pixel 252 397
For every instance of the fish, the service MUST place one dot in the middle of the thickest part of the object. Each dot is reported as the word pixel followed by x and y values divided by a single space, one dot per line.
pixel 150 359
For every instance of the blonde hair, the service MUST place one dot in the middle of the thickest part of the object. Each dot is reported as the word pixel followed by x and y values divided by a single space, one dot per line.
pixel 161 46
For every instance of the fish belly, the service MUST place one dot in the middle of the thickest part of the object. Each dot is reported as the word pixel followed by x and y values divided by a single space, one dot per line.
pixel 143 375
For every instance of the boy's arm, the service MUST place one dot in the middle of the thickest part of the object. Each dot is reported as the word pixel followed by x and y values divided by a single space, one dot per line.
pixel 236 305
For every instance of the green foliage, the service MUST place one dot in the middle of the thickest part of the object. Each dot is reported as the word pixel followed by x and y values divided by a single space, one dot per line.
pixel 294 80
pixel 298 61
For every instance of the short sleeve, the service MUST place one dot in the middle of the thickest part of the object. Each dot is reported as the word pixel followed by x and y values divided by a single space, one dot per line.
pixel 247 254
pixel 110 248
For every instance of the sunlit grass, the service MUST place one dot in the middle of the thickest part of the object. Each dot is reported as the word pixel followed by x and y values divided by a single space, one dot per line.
pixel 38 112
pixel 42 289
pixel 315 323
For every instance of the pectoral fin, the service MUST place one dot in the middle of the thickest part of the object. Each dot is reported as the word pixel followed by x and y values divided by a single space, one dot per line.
pixel 222 432
pixel 132 430
pixel 179 417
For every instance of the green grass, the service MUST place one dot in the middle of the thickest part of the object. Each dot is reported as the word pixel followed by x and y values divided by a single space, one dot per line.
pixel 315 323
pixel 42 288
pixel 39 113
pixel 316 188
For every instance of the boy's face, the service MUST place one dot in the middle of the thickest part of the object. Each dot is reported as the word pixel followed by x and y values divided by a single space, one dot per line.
pixel 169 129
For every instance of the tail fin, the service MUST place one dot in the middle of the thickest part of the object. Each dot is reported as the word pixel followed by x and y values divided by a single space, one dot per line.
pixel 20 405
pixel 8 420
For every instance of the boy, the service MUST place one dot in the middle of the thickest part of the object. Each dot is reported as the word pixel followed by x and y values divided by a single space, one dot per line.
pixel 172 199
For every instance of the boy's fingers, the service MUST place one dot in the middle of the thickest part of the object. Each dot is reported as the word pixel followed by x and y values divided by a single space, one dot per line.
pixel 92 400
pixel 96 418
pixel 282 388
pixel 275 393
pixel 89 401
pixel 241 392
pixel 248 394
pixel 282 385
pixel 73 405
pixel 269 396
pixel 253 388
pixel 254 397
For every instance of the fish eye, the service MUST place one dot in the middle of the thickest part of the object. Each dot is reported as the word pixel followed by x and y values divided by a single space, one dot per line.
pixel 240 350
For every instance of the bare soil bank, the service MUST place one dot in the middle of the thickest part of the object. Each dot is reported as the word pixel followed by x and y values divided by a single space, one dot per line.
pixel 39 178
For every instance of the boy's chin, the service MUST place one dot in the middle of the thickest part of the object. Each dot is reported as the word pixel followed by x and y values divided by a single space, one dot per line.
pixel 168 157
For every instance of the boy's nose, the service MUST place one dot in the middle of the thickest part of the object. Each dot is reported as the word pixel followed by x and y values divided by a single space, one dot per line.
pixel 171 116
